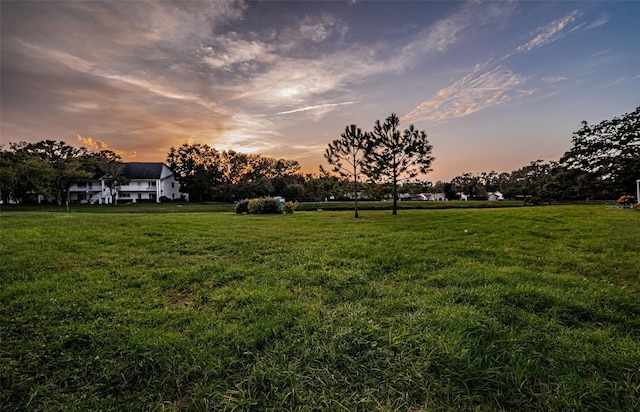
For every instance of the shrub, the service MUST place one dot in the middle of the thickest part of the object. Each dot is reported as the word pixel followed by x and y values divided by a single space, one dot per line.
pixel 242 206
pixel 263 206
pixel 290 207
pixel 270 205
pixel 255 206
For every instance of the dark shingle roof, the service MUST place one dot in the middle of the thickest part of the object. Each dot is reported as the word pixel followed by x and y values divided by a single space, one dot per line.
pixel 140 170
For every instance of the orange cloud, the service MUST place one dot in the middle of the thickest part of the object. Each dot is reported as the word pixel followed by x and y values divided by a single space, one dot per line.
pixel 98 145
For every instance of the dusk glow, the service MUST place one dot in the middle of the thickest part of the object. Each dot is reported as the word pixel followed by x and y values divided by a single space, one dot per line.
pixel 494 84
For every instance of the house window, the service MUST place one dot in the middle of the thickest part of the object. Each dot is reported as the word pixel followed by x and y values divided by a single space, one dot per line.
pixel 124 194
pixel 152 183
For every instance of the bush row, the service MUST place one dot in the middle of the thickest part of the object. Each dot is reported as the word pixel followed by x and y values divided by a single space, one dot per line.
pixel 264 205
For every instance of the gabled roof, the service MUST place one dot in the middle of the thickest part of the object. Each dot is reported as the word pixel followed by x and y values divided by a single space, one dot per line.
pixel 143 170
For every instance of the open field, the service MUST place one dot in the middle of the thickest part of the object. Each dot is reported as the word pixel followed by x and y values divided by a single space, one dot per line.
pixel 186 207
pixel 472 309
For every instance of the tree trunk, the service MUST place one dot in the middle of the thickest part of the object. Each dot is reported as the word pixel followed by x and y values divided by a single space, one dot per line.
pixel 395 195
pixel 355 194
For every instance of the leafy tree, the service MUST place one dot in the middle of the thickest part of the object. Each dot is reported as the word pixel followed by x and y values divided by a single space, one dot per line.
pixel 23 174
pixel 197 168
pixel 347 155
pixel 469 184
pixel 67 163
pixel 528 181
pixel 109 167
pixel 393 154
pixel 274 168
pixel 322 186
pixel 444 187
pixel 610 150
pixel 417 187
pixel 207 174
pixel 563 183
pixel 236 167
pixel 490 181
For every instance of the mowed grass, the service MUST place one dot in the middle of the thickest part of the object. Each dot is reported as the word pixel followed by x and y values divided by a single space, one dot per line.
pixel 473 309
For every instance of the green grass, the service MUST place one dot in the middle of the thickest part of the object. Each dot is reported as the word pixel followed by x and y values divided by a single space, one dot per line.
pixel 477 309
pixel 187 207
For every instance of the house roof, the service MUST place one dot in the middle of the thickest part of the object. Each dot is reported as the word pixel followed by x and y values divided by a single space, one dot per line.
pixel 143 170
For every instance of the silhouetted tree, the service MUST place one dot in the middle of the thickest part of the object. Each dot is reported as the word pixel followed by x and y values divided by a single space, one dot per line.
pixel 23 173
pixel 393 154
pixel 529 180
pixel 469 184
pixel 197 168
pixel 346 156
pixel 610 150
pixel 67 163
pixel 109 167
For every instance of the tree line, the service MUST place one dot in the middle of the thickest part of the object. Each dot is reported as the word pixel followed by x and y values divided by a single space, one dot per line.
pixel 603 163
pixel 49 168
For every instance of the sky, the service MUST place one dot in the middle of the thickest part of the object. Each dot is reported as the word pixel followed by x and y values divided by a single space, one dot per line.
pixel 494 84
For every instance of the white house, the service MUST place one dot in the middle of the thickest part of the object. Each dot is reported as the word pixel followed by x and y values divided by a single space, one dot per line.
pixel 149 181
pixel 493 196
pixel 435 197
pixel 146 182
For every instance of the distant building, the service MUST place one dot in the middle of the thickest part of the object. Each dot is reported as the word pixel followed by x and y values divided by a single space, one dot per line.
pixel 146 182
pixel 493 196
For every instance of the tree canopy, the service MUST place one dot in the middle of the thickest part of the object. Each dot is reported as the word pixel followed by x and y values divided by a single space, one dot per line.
pixel 208 174
pixel 393 154
pixel 347 155
pixel 609 150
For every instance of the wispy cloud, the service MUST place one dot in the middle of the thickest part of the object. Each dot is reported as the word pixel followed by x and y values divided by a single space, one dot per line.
pixel 602 20
pixel 81 65
pixel 474 92
pixel 547 34
pixel 303 80
pixel 316 107
pixel 554 79
pixel 450 30
pixel 231 50
pixel 493 83
pixel 300 82
pixel 319 28
pixel 247 134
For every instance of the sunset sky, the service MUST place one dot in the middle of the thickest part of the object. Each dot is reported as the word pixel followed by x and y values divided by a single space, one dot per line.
pixel 494 84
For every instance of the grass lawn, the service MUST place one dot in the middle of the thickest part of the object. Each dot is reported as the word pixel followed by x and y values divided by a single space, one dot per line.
pixel 534 308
